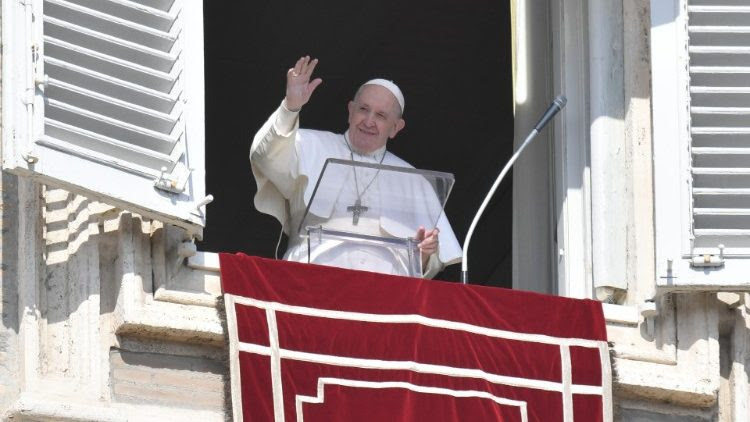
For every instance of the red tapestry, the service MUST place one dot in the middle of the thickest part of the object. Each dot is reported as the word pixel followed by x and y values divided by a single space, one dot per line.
pixel 313 343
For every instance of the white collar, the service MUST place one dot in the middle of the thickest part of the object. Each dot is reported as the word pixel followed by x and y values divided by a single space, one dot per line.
pixel 377 155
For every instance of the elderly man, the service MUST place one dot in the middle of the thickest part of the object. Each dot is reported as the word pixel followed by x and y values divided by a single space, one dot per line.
pixel 286 161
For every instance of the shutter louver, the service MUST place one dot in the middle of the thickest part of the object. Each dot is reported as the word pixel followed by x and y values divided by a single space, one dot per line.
pixel 113 83
pixel 719 56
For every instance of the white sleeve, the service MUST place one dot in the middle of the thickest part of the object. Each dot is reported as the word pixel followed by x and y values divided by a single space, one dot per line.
pixel 434 266
pixel 274 163
pixel 272 155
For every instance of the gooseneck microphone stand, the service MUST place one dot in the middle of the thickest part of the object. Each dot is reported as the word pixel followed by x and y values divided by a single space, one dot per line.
pixel 553 109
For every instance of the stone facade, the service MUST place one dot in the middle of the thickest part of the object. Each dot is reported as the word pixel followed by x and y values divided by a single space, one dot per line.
pixel 105 316
pixel 101 335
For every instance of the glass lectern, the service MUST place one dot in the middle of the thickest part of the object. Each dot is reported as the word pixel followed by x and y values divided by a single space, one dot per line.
pixel 364 216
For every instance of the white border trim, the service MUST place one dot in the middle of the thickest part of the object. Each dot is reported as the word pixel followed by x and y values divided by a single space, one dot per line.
pixel 322 382
pixel 276 384
pixel 423 368
pixel 567 383
pixel 235 379
pixel 607 402
pixel 416 319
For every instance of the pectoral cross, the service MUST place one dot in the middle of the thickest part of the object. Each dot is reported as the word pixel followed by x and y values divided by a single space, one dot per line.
pixel 356 210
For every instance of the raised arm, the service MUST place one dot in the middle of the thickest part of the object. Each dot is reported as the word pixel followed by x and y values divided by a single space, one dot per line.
pixel 272 154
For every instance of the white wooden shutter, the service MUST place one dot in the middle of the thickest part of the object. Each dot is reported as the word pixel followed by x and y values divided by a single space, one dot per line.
pixel 106 98
pixel 703 224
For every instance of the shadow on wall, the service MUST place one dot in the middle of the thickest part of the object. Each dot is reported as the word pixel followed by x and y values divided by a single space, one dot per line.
pixel 9 327
pixel 8 246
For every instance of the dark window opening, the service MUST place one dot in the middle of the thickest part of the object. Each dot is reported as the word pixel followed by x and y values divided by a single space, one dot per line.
pixel 452 60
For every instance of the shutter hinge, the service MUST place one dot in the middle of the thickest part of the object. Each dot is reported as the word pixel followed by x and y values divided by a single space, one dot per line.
pixel 41 82
pixel 708 260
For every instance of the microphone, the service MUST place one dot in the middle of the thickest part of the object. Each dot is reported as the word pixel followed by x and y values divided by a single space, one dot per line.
pixel 554 108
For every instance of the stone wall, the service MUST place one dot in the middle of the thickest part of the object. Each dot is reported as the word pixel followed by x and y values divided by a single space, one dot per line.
pixel 9 375
pixel 113 325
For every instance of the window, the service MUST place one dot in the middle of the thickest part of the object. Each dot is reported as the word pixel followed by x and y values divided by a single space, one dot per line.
pixel 701 105
pixel 105 98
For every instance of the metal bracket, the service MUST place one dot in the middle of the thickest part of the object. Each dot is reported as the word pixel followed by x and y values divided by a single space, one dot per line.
pixel 165 183
pixel 670 271
pixel 30 157
pixel 202 203
pixel 708 260
pixel 185 250
pixel 649 312
pixel 175 181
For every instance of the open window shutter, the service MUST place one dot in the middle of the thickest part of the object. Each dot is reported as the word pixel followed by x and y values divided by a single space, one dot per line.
pixel 108 101
pixel 714 249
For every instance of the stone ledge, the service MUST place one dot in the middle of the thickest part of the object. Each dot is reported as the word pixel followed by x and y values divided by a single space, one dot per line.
pixel 171 321
pixel 673 384
pixel 54 407
pixel 207 261
pixel 186 298
pixel 621 314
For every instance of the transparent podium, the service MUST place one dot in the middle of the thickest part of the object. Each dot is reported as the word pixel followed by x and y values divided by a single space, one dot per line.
pixel 364 216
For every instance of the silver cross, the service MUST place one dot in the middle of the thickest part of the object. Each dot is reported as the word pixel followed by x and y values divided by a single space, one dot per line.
pixel 356 210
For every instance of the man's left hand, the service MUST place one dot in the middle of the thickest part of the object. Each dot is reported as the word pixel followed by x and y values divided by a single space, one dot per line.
pixel 428 242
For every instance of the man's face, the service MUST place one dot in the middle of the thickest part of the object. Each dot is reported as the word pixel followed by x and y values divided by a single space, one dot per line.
pixel 373 118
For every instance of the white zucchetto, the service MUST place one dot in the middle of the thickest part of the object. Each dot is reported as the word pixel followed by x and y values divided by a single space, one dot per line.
pixel 390 86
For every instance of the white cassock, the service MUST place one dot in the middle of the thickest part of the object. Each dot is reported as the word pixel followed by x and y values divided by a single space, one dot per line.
pixel 286 162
